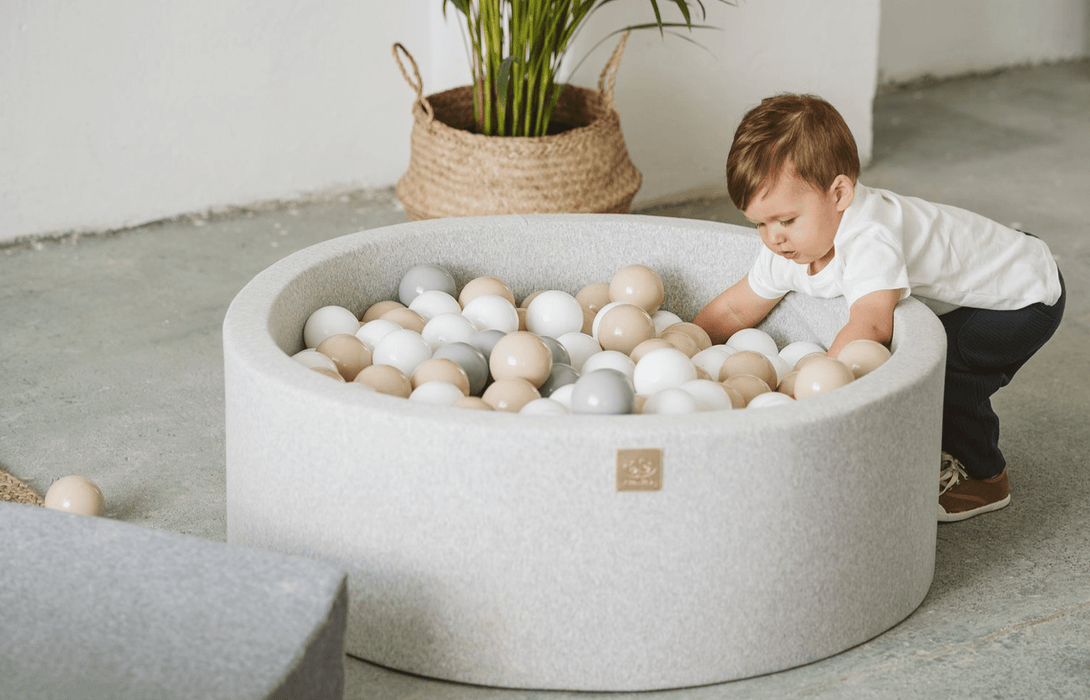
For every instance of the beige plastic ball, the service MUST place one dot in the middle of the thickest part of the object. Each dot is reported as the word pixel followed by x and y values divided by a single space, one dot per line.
pixel 593 296
pixel 331 373
pixel 406 318
pixel 378 308
pixel 787 384
pixel 623 327
pixel 639 285
pixel 680 340
pixel 385 380
pixel 807 359
pixel 736 398
pixel 443 370
pixel 485 285
pixel 821 376
pixel 749 362
pixel 699 335
pixel 75 494
pixel 510 394
pixel 521 355
pixel 647 346
pixel 473 402
pixel 863 356
pixel 588 321
pixel 347 352
pixel 748 386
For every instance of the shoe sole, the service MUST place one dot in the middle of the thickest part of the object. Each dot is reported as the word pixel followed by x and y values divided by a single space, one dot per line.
pixel 945 517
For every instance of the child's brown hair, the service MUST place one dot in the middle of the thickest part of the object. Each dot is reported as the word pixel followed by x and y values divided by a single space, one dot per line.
pixel 803 130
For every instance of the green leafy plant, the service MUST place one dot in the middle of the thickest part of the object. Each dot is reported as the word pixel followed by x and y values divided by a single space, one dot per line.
pixel 516 47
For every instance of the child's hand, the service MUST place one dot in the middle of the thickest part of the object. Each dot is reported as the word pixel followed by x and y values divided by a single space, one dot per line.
pixel 736 308
pixel 871 316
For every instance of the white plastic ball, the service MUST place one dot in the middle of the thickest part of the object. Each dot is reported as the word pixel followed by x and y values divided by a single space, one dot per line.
pixel 433 302
pixel 664 319
pixel 609 359
pixel 671 401
pixel 447 328
pixel 312 359
pixel 372 332
pixel 490 311
pixel 753 339
pixel 660 369
pixel 709 395
pixel 403 349
pixel 438 393
pixel 793 352
pixel 580 346
pixel 562 395
pixel 781 367
pixel 327 321
pixel 768 399
pixel 553 313
pixel 711 359
pixel 545 407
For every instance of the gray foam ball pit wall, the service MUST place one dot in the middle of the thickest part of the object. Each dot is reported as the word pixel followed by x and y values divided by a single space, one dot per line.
pixel 495 549
pixel 94 608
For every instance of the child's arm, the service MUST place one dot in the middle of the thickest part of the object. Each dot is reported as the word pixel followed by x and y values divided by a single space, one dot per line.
pixel 736 308
pixel 871 316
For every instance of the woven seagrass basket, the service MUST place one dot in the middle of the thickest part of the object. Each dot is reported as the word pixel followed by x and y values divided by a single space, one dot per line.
pixel 456 172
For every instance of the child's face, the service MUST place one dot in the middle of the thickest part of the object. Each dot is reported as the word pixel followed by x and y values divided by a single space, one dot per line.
pixel 798 221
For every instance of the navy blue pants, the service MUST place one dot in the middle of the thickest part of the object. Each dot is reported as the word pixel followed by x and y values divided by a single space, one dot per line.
pixel 984 349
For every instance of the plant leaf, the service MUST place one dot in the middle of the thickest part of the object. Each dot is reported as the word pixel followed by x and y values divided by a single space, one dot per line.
pixel 683 5
pixel 658 15
pixel 461 5
pixel 503 80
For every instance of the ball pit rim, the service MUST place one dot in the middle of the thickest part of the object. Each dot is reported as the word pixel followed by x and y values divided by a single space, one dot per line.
pixel 247 339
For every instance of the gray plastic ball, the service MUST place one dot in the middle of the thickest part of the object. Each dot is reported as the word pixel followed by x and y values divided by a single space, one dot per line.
pixel 603 391
pixel 486 340
pixel 560 375
pixel 421 278
pixel 560 353
pixel 471 360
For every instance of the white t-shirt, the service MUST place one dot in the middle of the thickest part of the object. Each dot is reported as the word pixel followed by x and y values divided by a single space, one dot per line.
pixel 944 256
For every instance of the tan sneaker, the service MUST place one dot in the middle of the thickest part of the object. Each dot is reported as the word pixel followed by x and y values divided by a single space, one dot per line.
pixel 962 497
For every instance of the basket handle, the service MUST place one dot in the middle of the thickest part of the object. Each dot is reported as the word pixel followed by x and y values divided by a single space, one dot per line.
pixel 418 84
pixel 608 79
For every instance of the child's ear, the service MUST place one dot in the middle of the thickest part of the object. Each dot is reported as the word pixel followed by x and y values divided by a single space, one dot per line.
pixel 843 192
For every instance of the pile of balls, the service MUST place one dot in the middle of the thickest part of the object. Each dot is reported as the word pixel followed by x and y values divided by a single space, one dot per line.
pixel 609 349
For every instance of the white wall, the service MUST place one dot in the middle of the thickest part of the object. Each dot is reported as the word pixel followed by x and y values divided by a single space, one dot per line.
pixel 119 112
pixel 944 38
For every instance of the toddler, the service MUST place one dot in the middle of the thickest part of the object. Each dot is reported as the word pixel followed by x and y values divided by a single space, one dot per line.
pixel 792 171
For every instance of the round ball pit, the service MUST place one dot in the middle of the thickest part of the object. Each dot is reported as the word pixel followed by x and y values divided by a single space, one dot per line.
pixel 510 550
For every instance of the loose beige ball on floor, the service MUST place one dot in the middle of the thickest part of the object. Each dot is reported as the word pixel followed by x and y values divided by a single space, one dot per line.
pixel 75 494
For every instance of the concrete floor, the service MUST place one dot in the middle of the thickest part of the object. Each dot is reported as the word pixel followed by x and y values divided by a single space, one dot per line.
pixel 111 367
